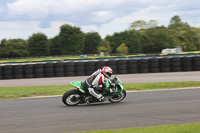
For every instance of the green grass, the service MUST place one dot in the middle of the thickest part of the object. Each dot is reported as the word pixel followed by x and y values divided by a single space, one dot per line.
pixel 185 128
pixel 160 85
pixel 52 58
pixel 39 59
pixel 28 91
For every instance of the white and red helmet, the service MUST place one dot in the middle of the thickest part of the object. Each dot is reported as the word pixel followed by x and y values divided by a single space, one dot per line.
pixel 107 71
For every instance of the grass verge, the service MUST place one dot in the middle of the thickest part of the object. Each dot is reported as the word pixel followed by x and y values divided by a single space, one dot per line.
pixel 28 91
pixel 185 128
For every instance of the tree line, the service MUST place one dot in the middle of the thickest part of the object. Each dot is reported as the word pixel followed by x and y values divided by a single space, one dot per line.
pixel 141 37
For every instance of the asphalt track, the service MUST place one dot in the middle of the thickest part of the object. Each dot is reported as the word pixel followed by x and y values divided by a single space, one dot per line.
pixel 139 109
pixel 126 78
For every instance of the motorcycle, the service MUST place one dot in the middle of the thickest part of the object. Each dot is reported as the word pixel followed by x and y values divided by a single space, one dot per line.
pixel 79 96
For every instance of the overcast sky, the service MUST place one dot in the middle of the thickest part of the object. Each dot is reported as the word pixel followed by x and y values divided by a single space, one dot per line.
pixel 22 18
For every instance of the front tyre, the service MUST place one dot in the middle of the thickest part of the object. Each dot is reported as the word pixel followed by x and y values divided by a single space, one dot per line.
pixel 71 97
pixel 118 98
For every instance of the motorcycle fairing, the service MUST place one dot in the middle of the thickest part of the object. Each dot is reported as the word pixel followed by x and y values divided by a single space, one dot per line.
pixel 78 85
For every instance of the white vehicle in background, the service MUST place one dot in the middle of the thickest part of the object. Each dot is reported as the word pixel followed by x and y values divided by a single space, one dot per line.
pixel 176 50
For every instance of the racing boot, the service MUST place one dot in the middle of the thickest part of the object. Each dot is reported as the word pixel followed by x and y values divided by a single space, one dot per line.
pixel 102 99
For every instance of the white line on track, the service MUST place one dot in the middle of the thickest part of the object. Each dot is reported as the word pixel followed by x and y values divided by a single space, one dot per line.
pixel 170 89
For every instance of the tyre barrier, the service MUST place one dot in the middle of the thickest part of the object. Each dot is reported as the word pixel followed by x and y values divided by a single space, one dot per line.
pixel 1 73
pixel 196 63
pixel 154 65
pixel 49 70
pixel 143 66
pixel 165 65
pixel 69 69
pixel 132 66
pixel 59 69
pixel 112 64
pixel 83 68
pixel 80 68
pixel 176 64
pixel 121 67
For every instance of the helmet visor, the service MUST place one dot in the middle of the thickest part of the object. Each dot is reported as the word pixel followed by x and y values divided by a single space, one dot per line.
pixel 109 74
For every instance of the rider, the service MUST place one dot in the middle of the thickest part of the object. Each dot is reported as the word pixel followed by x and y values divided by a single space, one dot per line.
pixel 95 80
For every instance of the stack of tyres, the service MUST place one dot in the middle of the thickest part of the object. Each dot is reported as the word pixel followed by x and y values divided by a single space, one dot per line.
pixel 196 63
pixel 38 70
pixel 49 69
pixel 165 64
pixel 90 67
pixel 176 64
pixel 28 71
pixel 1 72
pixel 80 68
pixel 18 71
pixel 122 67
pixel 8 72
pixel 186 63
pixel 143 66
pixel 59 69
pixel 100 64
pixel 112 64
pixel 69 68
pixel 133 65
pixel 154 65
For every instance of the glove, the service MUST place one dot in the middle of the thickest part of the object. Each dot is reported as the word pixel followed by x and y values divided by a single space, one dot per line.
pixel 111 90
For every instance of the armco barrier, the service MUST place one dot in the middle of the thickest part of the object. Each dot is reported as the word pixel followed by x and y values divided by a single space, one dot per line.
pixel 82 68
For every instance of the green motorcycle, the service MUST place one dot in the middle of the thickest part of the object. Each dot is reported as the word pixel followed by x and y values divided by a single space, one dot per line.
pixel 79 96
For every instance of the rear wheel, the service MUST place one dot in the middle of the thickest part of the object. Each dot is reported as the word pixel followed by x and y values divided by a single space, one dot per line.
pixel 71 97
pixel 118 98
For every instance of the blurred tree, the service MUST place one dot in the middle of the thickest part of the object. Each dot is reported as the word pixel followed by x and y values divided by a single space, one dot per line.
pixel 131 38
pixel 133 41
pixel 122 49
pixel 55 46
pixel 115 40
pixel 155 39
pixel 196 38
pixel 92 42
pixel 3 41
pixel 104 47
pixel 14 48
pixel 182 34
pixel 37 45
pixel 71 40
pixel 176 22
pixel 141 24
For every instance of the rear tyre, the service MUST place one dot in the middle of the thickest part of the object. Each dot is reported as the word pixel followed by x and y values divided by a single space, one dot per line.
pixel 118 98
pixel 71 97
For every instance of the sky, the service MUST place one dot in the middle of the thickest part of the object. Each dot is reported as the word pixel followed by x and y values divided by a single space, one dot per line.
pixel 22 18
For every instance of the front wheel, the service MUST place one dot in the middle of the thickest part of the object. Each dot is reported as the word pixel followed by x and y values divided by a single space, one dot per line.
pixel 71 97
pixel 118 98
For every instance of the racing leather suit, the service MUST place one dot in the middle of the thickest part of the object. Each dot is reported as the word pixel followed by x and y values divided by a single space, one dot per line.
pixel 95 80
